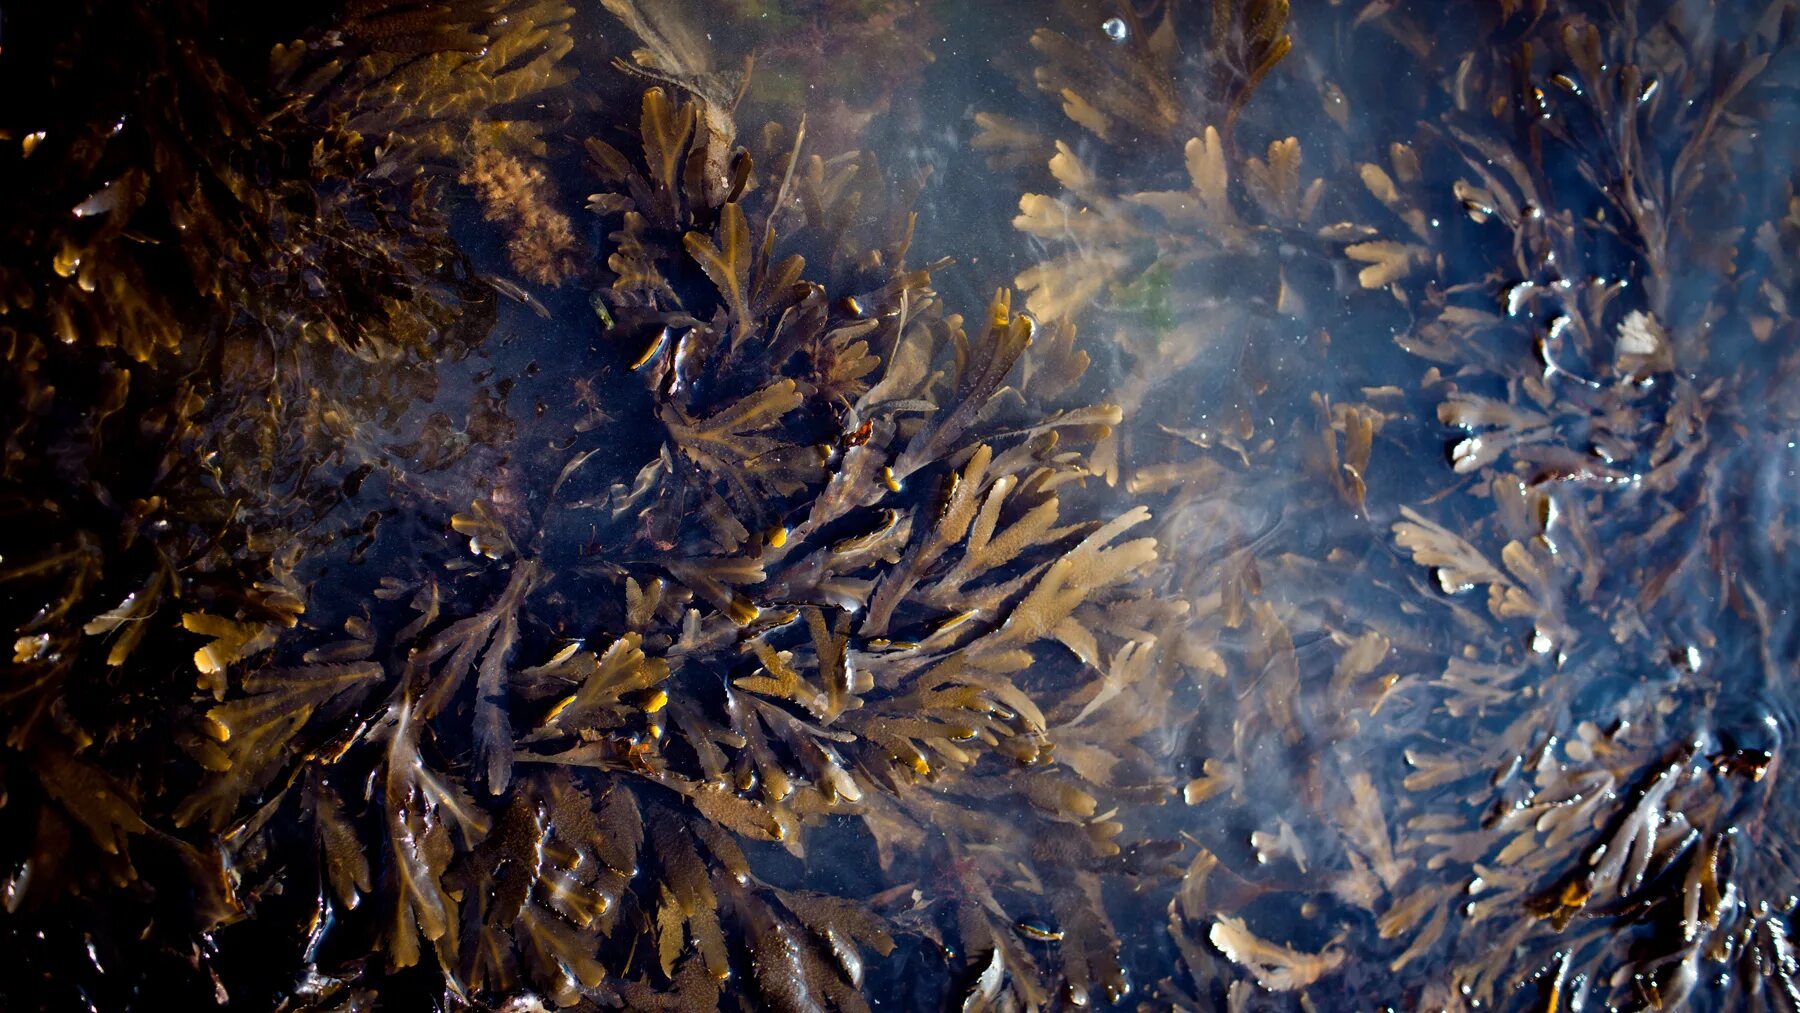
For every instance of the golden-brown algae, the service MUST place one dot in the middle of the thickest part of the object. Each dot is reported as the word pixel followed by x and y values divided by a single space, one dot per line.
pixel 1341 560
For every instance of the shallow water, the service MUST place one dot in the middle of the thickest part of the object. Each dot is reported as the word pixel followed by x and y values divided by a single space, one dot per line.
pixel 459 560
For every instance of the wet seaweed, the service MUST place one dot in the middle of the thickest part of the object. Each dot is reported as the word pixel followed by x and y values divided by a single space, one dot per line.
pixel 1596 604
pixel 812 601
pixel 835 648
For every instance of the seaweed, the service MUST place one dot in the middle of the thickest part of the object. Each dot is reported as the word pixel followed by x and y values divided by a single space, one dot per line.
pixel 212 344
pixel 542 245
pixel 837 647
pixel 1582 452
pixel 1528 233
pixel 526 764
pixel 425 84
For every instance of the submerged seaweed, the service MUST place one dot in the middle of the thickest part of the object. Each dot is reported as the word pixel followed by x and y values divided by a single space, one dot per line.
pixel 1589 756
pixel 1352 569
pixel 806 609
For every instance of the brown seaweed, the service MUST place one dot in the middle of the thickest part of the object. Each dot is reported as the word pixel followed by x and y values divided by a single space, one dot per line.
pixel 522 799
pixel 1587 559
pixel 835 642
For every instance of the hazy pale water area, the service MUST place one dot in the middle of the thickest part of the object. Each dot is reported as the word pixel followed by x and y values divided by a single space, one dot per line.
pixel 900 504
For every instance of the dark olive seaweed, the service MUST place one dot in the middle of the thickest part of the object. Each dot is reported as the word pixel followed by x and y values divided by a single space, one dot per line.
pixel 502 510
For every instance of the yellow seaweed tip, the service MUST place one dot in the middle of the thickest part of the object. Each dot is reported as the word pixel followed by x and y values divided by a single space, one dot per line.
pixel 561 706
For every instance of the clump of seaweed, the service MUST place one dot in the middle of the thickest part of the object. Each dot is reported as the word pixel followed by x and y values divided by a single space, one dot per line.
pixel 1170 274
pixel 465 90
pixel 426 85
pixel 800 578
pixel 1583 291
pixel 813 603
pixel 1616 808
pixel 847 66
pixel 216 313
pixel 834 625
pixel 541 244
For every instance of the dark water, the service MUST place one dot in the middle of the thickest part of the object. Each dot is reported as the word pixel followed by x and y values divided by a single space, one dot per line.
pixel 518 506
